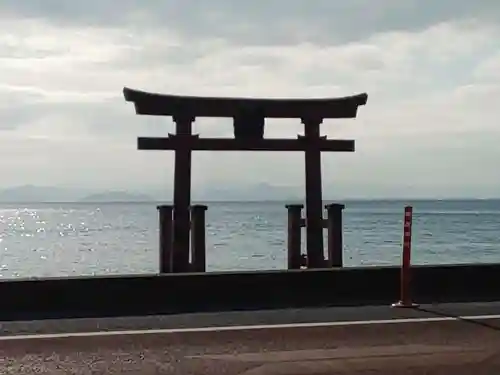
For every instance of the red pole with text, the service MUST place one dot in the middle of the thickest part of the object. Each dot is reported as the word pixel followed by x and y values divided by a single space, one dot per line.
pixel 405 279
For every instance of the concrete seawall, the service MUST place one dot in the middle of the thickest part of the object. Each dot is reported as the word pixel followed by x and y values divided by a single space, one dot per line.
pixel 209 292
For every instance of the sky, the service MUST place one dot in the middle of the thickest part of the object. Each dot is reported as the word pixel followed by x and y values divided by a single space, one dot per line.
pixel 431 70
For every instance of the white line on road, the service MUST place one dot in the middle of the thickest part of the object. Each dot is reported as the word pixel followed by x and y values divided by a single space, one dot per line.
pixel 246 327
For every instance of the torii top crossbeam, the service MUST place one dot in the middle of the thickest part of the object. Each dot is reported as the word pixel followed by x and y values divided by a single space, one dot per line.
pixel 154 104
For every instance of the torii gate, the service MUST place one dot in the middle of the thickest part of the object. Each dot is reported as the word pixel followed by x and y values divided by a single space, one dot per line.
pixel 249 119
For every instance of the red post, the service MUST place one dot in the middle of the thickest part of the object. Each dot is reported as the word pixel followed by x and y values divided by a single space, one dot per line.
pixel 405 280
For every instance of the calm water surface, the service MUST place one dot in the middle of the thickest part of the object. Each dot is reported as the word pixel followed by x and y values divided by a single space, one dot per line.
pixel 39 240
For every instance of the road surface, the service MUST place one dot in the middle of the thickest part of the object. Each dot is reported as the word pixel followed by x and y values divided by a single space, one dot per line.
pixel 445 339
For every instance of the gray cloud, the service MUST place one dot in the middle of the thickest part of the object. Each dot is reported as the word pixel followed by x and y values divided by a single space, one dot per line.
pixel 262 21
pixel 432 91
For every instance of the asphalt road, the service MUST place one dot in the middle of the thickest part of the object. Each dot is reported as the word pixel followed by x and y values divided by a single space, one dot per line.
pixel 251 318
pixel 448 339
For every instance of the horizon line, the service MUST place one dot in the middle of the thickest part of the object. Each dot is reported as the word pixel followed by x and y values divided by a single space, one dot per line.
pixel 350 199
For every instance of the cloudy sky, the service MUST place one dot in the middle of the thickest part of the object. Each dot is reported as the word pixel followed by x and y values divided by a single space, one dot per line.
pixel 431 68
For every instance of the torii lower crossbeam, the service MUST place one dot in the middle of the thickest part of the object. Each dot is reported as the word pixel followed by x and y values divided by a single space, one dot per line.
pixel 175 142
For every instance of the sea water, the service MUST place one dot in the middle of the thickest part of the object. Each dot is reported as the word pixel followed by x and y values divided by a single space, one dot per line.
pixel 39 240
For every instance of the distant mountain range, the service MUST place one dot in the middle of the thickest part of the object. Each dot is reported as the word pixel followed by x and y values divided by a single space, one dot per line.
pixel 255 192
pixel 44 194
pixel 116 196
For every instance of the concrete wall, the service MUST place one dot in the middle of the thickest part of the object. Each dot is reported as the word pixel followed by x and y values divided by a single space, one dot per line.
pixel 142 295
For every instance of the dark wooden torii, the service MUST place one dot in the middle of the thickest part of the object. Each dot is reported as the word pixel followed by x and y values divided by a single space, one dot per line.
pixel 249 120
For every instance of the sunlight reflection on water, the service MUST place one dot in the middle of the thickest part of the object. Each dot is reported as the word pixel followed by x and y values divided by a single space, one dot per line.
pixel 81 239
